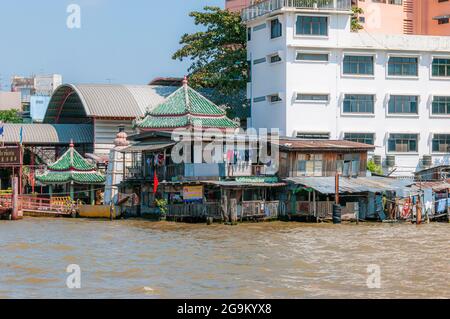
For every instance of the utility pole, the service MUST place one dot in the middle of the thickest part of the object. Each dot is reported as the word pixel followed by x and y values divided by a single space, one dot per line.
pixel 20 168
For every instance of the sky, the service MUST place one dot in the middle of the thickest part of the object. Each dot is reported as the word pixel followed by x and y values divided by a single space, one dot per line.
pixel 127 42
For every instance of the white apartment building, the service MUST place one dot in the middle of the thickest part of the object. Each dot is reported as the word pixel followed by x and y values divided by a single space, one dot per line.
pixel 41 85
pixel 312 77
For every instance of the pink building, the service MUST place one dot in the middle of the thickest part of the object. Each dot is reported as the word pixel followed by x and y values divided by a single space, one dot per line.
pixel 423 17
pixel 237 5
pixel 434 17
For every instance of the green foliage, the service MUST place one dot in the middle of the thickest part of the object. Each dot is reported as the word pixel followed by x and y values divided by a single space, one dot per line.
pixel 218 54
pixel 10 116
pixel 374 168
pixel 162 205
pixel 356 25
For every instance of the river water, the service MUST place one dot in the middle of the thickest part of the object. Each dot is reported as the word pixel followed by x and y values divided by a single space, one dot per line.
pixel 141 259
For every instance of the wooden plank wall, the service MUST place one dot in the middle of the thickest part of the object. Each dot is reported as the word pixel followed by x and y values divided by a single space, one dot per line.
pixel 289 163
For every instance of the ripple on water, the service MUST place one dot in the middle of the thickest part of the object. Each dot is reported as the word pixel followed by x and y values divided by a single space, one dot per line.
pixel 266 260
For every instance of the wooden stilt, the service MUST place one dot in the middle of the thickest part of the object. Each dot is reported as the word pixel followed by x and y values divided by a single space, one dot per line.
pixel 316 215
pixel 15 199
pixel 448 207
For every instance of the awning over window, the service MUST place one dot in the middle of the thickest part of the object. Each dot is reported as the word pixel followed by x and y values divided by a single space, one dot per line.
pixel 442 17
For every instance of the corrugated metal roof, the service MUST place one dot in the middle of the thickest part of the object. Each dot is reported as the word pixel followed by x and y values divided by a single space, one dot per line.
pixel 299 144
pixel 108 100
pixel 48 134
pixel 111 100
pixel 373 184
pixel 435 186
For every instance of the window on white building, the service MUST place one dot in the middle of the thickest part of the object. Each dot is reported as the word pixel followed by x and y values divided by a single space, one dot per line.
pixel 359 64
pixel 259 27
pixel 301 97
pixel 403 66
pixel 441 143
pixel 403 143
pixel 441 67
pixel 276 29
pixel 441 105
pixel 259 61
pixel 359 103
pixel 313 136
pixel 274 98
pixel 274 58
pixel 259 99
pixel 403 104
pixel 365 138
pixel 316 57
pixel 312 25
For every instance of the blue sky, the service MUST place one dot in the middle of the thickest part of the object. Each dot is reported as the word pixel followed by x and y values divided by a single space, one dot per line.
pixel 119 41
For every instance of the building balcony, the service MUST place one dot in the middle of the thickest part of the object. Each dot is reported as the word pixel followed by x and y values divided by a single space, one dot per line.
pixel 268 6
pixel 193 172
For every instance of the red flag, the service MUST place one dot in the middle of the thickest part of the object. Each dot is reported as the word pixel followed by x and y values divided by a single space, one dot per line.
pixel 155 183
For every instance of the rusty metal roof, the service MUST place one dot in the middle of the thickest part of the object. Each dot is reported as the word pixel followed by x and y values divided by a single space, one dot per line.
pixel 437 186
pixel 373 184
pixel 292 144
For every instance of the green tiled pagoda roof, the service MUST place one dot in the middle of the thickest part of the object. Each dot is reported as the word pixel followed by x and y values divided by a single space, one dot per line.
pixel 66 177
pixel 184 108
pixel 71 160
pixel 186 100
pixel 71 167
pixel 186 120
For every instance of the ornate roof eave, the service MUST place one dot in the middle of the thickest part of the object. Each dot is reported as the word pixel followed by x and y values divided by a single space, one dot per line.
pixel 187 114
pixel 62 178
pixel 159 129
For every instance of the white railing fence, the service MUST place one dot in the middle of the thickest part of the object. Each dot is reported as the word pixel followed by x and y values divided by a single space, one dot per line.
pixel 267 6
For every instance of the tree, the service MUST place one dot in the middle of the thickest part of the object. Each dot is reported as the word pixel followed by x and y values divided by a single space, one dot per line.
pixel 218 54
pixel 374 168
pixel 10 116
pixel 356 25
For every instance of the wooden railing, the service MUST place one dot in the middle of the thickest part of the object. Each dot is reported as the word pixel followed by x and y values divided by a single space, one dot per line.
pixel 260 209
pixel 30 203
pixel 323 209
pixel 194 210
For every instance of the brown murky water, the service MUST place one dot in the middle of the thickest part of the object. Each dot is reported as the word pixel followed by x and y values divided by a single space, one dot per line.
pixel 141 259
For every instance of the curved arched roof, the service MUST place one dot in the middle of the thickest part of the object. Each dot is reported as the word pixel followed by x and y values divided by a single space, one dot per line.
pixel 104 101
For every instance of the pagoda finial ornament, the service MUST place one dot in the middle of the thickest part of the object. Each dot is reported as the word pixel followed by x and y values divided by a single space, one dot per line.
pixel 121 139
pixel 71 145
pixel 185 81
